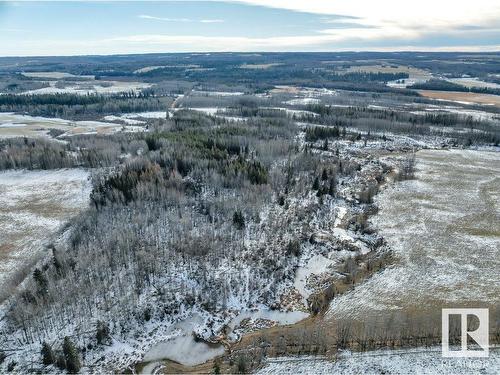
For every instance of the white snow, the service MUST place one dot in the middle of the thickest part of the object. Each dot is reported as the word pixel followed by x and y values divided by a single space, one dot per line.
pixel 342 211
pixel 180 345
pixel 280 317
pixel 442 227
pixel 184 350
pixel 317 265
pixel 474 82
pixel 125 120
pixel 53 75
pixel 14 125
pixel 403 362
pixel 33 206
pixel 91 87
pixel 152 114
pixel 303 101
pixel 216 93
pixel 292 112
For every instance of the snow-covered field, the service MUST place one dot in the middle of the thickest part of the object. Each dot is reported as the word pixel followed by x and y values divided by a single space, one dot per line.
pixel 90 87
pixel 474 113
pixel 444 228
pixel 474 82
pixel 303 92
pixel 33 206
pixel 216 93
pixel 14 125
pixel 404 362
pixel 136 118
pixel 53 75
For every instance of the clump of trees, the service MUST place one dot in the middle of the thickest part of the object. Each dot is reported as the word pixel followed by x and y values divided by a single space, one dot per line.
pixel 406 168
pixel 68 358
pixel 443 85
pixel 315 133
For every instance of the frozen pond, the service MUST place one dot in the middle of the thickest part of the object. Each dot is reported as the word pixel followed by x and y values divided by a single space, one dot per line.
pixel 444 227
pixel 180 345
pixel 184 350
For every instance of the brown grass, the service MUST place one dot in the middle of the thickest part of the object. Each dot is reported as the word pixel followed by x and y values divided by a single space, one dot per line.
pixel 466 97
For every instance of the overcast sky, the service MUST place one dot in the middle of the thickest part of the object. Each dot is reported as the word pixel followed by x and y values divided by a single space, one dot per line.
pixel 75 28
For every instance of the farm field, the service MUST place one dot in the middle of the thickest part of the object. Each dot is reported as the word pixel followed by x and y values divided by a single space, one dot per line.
pixel 445 232
pixel 462 97
pixel 34 205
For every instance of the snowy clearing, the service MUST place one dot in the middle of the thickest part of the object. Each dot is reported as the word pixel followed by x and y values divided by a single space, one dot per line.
pixel 33 206
pixel 474 82
pixel 417 217
pixel 54 75
pixel 13 125
pixel 216 93
pixel 410 361
pixel 91 87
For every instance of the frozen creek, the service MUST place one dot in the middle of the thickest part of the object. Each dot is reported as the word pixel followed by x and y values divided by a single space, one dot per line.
pixel 444 227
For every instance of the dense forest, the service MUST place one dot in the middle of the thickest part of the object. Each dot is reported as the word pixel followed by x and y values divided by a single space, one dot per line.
pixel 81 106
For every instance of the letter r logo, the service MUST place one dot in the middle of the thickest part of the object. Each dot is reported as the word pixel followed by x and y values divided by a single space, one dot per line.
pixel 479 335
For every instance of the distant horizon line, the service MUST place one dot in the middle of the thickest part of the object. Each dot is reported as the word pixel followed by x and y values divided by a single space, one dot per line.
pixel 257 52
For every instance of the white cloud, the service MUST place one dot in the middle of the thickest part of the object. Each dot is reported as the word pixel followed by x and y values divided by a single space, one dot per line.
pixel 166 19
pixel 212 21
pixel 396 17
pixel 343 25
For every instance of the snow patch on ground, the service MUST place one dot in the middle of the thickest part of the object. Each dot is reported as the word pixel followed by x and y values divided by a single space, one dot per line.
pixel 303 101
pixel 33 206
pixel 91 87
pixel 443 229
pixel 409 361
pixel 14 125
pixel 317 265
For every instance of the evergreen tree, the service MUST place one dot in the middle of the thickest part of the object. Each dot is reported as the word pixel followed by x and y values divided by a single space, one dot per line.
pixel 102 333
pixel 281 200
pixel 239 220
pixel 324 175
pixel 315 184
pixel 71 356
pixel 332 188
pixel 60 361
pixel 41 282
pixel 48 355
